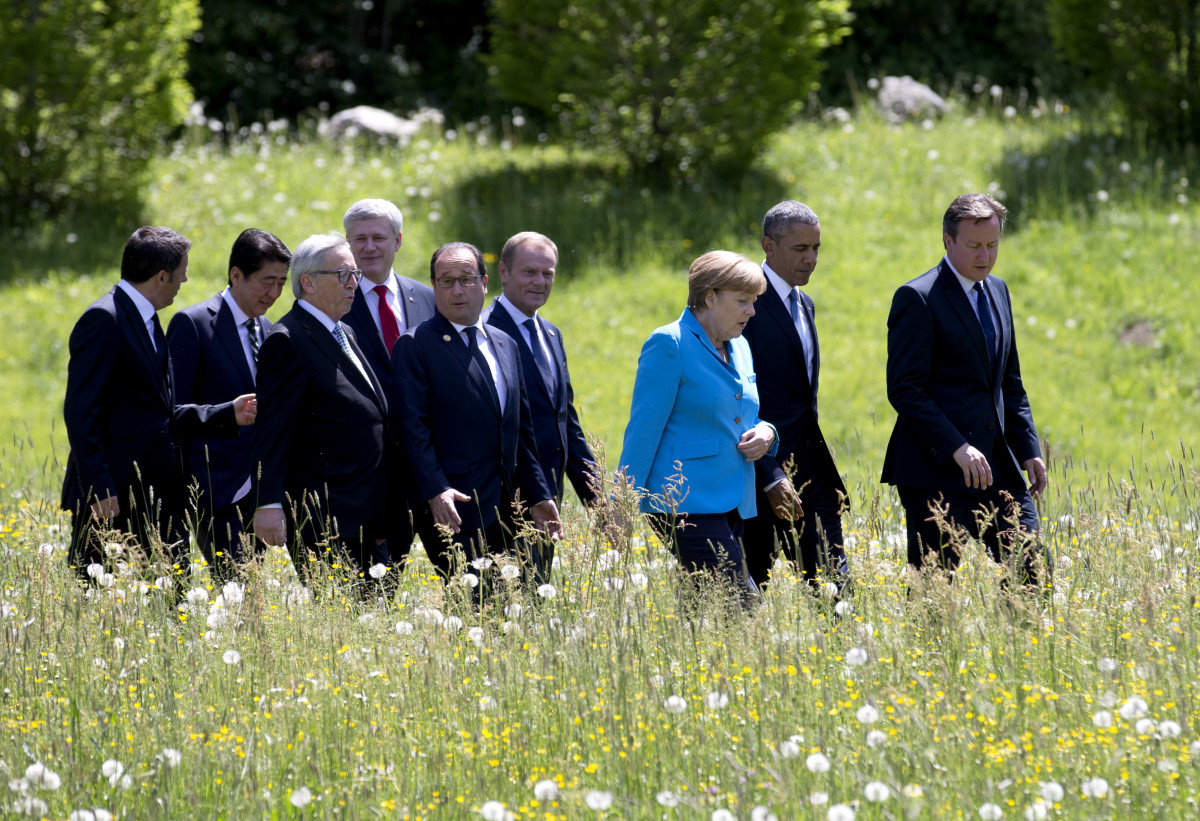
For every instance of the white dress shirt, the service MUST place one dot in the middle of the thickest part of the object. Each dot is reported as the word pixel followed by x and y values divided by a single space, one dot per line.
pixel 367 290
pixel 485 347
pixel 145 308
pixel 968 286
pixel 239 319
pixel 803 327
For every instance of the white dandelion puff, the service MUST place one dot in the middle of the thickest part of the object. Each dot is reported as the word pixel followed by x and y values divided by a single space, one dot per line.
pixel 1144 726
pixel 990 812
pixel 493 811
pixel 598 800
pixel 197 595
pixel 1095 787
pixel 1036 811
pixel 876 738
pixel 231 657
pixel 300 797
pixel 548 591
pixel 482 562
pixel 761 813
pixel 509 572
pixel 1103 719
pixel 171 757
pixel 789 749
pixel 675 704
pixel 377 570
pixel 404 628
pixel 867 714
pixel 42 777
pixel 666 798
pixel 723 815
pixel 877 791
pixel 817 763
pixel 1169 729
pixel 1052 791
pixel 1134 708
pixel 840 812
pixel 112 770
pixel 716 700
pixel 545 790
pixel 818 799
pixel 856 656
pixel 1106 665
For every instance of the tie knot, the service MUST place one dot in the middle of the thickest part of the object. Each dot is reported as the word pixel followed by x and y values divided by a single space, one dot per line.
pixel 530 325
pixel 470 331
pixel 250 325
pixel 381 291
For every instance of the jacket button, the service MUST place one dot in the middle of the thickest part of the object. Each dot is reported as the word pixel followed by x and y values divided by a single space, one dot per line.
pixel 738 397
pixel 737 420
pixel 991 425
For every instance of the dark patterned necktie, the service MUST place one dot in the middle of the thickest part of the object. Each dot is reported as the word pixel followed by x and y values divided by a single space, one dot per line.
pixel 252 332
pixel 540 356
pixel 985 319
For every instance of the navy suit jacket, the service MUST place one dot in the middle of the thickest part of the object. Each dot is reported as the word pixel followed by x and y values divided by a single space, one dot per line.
pixel 787 398
pixel 120 410
pixel 210 366
pixel 562 448
pixel 322 427
pixel 945 392
pixel 417 299
pixel 454 435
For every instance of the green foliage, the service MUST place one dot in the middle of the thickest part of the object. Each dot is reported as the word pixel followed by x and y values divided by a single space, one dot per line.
pixel 945 42
pixel 1144 51
pixel 87 91
pixel 678 92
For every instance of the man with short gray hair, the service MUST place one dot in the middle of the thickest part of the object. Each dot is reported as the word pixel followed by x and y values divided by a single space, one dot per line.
pixel 964 429
pixel 319 480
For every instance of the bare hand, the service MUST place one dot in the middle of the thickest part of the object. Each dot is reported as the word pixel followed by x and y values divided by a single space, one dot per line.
pixel 106 509
pixel 1038 479
pixel 444 511
pixel 545 516
pixel 245 409
pixel 785 501
pixel 977 473
pixel 270 526
pixel 757 441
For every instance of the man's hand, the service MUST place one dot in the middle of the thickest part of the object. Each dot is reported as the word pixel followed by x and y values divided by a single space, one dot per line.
pixel 245 409
pixel 270 526
pixel 1038 480
pixel 785 501
pixel 545 516
pixel 444 511
pixel 105 509
pixel 977 473
pixel 757 441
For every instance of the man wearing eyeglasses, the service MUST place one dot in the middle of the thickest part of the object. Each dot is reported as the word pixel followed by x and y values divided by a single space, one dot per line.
pixel 386 306
pixel 320 481
pixel 467 432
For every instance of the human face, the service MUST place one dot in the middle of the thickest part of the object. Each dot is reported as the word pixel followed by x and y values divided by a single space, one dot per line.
pixel 324 292
pixel 527 284
pixel 255 293
pixel 374 246
pixel 460 305
pixel 726 314
pixel 794 255
pixel 169 284
pixel 973 253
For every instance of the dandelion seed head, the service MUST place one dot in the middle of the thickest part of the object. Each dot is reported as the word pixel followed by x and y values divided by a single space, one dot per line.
pixel 300 797
pixel 876 738
pixel 377 570
pixel 1169 729
pixel 1052 791
pixel 469 580
pixel 1102 719
pixel 1144 726
pixel 482 562
pixel 171 757
pixel 789 749
pixel 640 580
pixel 452 624
pixel 818 799
pixel 598 800
pixel 817 763
pixel 509 572
pixel 723 815
pixel 1036 811
pixel 877 791
pixel 1095 788
pixel 231 657
pixel 990 812
pixel 716 700
pixel 30 805
pixel 666 798
pixel 493 811
pixel 675 704
pixel 867 714
pixel 475 634
pixel 761 813
pixel 1134 708
pixel 843 608
pixel 1106 665
pixel 545 790
pixel 1166 765
pixel 547 591
pixel 42 777
pixel 840 812
pixel 95 570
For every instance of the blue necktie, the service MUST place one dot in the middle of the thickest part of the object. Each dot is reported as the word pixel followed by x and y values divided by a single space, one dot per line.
pixel 794 304
pixel 985 319
pixel 540 356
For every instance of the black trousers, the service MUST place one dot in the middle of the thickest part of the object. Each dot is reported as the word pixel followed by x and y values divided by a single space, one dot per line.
pixel 1003 517
pixel 221 535
pixel 535 555
pixel 708 542
pixel 148 515
pixel 813 544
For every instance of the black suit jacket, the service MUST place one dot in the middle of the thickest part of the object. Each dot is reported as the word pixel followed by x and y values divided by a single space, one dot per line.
pixel 562 448
pixel 453 433
pixel 417 299
pixel 210 366
pixel 120 411
pixel 322 427
pixel 787 398
pixel 944 390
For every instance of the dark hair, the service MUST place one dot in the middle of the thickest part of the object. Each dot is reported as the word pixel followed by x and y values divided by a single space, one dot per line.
pixel 151 249
pixel 977 207
pixel 480 265
pixel 254 248
pixel 784 215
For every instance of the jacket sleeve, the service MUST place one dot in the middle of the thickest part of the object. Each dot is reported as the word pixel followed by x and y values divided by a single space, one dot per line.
pixel 654 390
pixel 529 468
pixel 410 395
pixel 91 344
pixel 1019 429
pixel 281 386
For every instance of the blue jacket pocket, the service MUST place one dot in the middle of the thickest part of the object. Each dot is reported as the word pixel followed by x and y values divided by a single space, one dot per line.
pixel 694 450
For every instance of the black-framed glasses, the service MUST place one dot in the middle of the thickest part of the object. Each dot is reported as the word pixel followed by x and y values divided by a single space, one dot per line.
pixel 446 283
pixel 343 274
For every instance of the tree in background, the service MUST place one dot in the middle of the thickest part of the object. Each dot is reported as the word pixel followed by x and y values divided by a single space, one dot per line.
pixel 1144 51
pixel 87 91
pixel 677 89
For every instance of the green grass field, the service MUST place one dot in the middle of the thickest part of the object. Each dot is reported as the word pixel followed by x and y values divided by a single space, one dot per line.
pixel 608 700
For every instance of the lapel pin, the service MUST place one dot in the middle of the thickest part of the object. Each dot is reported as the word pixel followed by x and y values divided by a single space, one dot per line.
pixel 445 337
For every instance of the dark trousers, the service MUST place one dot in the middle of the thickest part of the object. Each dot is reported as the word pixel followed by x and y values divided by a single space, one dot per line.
pixel 221 535
pixel 1005 519
pixel 709 543
pixel 316 536
pixel 813 544
pixel 149 517
pixel 536 556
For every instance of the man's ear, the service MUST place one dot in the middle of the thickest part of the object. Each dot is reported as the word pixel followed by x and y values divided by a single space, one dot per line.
pixel 768 245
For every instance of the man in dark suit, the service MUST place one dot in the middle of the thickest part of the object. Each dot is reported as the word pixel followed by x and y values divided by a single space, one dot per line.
pixel 214 347
pixel 964 429
pixel 125 471
pixel 468 433
pixel 800 493
pixel 527 268
pixel 318 473
pixel 386 306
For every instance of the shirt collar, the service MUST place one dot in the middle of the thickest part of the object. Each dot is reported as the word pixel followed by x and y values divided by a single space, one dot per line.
pixel 144 306
pixel 777 282
pixel 239 316
pixel 391 282
pixel 518 316
pixel 320 315
pixel 967 284
pixel 478 324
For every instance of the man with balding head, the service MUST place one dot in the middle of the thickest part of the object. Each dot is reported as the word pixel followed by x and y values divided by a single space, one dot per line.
pixel 319 481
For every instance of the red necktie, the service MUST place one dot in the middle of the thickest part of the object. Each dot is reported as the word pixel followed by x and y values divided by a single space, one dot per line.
pixel 387 319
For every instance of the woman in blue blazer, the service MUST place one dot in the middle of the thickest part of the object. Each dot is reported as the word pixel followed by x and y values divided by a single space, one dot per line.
pixel 694 431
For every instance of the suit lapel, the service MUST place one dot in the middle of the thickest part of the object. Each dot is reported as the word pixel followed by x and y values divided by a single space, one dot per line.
pixel 508 366
pixel 226 330
pixel 458 349
pixel 374 340
pixel 376 390
pixel 558 358
pixel 774 308
pixel 807 302
pixel 325 342
pixel 135 329
pixel 966 314
pixel 502 319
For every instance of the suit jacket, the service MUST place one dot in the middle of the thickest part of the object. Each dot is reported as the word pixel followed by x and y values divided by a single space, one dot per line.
pixel 562 448
pixel 210 366
pixel 944 390
pixel 322 427
pixel 417 300
pixel 691 407
pixel 454 435
pixel 120 410
pixel 788 398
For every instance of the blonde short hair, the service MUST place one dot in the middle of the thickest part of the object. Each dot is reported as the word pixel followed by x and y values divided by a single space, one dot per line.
pixel 723 271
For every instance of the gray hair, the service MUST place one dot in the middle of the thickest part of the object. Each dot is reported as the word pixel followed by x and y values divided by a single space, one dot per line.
pixel 525 238
pixel 373 209
pixel 783 216
pixel 977 207
pixel 310 255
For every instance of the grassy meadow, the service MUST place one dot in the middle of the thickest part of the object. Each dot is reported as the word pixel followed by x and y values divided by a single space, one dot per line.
pixel 606 695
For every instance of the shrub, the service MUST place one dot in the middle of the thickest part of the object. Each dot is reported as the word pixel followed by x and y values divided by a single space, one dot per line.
pixel 677 91
pixel 87 91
